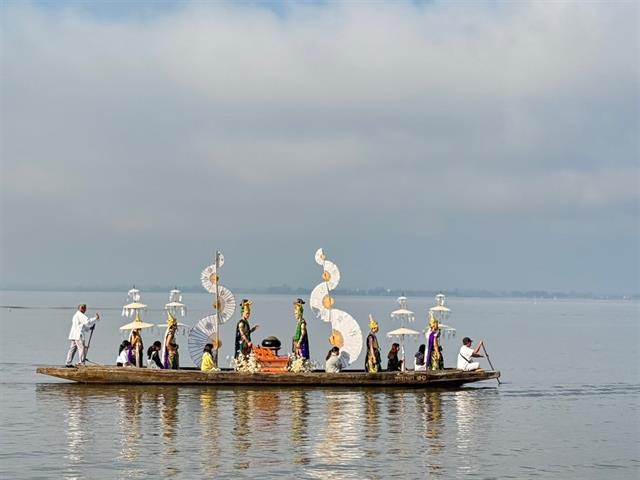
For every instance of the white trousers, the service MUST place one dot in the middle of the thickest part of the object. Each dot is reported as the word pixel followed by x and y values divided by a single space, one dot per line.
pixel 79 346
pixel 471 366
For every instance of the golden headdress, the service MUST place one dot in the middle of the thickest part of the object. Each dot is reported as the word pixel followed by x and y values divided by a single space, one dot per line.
pixel 433 323
pixel 171 321
pixel 297 307
pixel 372 323
pixel 245 306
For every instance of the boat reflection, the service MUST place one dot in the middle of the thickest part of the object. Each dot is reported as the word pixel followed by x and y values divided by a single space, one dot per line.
pixel 209 444
pixel 130 405
pixel 430 406
pixel 243 404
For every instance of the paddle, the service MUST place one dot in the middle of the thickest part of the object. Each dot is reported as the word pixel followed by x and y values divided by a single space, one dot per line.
pixel 86 348
pixel 486 354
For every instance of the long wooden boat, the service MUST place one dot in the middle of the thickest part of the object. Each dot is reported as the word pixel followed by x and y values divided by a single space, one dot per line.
pixel 106 374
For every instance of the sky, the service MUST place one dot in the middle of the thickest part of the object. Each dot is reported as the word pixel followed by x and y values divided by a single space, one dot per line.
pixel 423 145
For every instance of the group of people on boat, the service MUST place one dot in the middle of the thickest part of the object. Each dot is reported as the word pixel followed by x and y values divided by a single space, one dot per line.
pixel 159 355
pixel 428 357
pixel 164 355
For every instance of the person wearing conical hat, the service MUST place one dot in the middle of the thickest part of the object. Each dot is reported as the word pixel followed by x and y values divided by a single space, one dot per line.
pixel 372 360
pixel 434 359
pixel 301 337
pixel 244 330
pixel 171 358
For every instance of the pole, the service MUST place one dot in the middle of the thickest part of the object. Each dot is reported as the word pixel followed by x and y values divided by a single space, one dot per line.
pixel 486 354
pixel 217 342
pixel 86 348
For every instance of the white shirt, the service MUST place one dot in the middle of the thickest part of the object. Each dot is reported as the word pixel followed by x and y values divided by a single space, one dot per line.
pixel 466 353
pixel 334 364
pixel 123 358
pixel 80 322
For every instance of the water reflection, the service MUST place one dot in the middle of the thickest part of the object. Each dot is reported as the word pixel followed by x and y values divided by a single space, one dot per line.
pixel 430 405
pixel 130 406
pixel 242 411
pixel 209 444
pixel 169 415
pixel 76 429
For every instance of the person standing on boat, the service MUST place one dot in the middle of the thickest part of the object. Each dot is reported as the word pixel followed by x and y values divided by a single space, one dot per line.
pixel 467 353
pixel 434 358
pixel 137 348
pixel 301 338
pixel 372 362
pixel 170 356
pixel 244 330
pixel 80 323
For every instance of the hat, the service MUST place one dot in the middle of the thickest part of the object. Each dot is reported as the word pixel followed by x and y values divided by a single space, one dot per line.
pixel 299 301
pixel 372 323
pixel 466 340
pixel 245 305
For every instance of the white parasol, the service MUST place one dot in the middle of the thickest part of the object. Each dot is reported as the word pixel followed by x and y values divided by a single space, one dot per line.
pixel 204 332
pixel 403 313
pixel 401 332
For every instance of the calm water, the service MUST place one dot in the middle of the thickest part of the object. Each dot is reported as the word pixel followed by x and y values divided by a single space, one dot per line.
pixel 568 407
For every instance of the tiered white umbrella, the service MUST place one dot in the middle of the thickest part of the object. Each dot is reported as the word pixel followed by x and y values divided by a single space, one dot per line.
pixel 132 309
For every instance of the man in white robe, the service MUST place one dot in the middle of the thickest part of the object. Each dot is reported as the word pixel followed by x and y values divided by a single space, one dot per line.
pixel 79 324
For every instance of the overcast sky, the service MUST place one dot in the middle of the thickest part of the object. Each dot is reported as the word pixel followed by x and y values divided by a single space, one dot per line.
pixel 431 145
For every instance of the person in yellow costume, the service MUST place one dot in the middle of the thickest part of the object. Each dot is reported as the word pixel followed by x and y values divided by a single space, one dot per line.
pixel 434 358
pixel 171 359
pixel 372 361
pixel 207 364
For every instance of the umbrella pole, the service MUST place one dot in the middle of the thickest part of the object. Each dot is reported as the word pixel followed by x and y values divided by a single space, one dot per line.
pixel 402 347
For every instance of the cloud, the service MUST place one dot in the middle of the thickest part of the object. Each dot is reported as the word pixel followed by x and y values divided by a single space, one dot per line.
pixel 238 124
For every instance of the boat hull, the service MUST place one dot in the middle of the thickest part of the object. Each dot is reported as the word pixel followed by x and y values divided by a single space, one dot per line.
pixel 102 374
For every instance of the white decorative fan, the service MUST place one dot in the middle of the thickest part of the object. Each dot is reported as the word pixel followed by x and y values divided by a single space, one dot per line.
pixel 203 333
pixel 226 303
pixel 321 302
pixel 209 278
pixel 346 335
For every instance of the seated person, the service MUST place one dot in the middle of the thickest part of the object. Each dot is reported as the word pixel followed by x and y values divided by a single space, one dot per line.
pixel 466 353
pixel 153 355
pixel 334 362
pixel 394 364
pixel 419 363
pixel 207 364
pixel 124 354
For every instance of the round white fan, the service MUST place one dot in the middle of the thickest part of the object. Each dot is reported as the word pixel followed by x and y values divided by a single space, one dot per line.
pixel 203 333
pixel 346 335
pixel 209 278
pixel 321 302
pixel 226 303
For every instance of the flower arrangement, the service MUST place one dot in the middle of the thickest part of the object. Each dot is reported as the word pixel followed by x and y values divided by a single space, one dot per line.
pixel 299 364
pixel 246 364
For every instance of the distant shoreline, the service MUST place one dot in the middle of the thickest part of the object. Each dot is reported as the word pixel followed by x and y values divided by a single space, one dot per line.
pixel 370 292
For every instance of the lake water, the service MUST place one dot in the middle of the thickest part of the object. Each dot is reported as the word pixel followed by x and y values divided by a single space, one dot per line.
pixel 568 406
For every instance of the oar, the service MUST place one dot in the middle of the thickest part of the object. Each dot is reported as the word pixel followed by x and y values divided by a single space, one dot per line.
pixel 86 348
pixel 486 354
